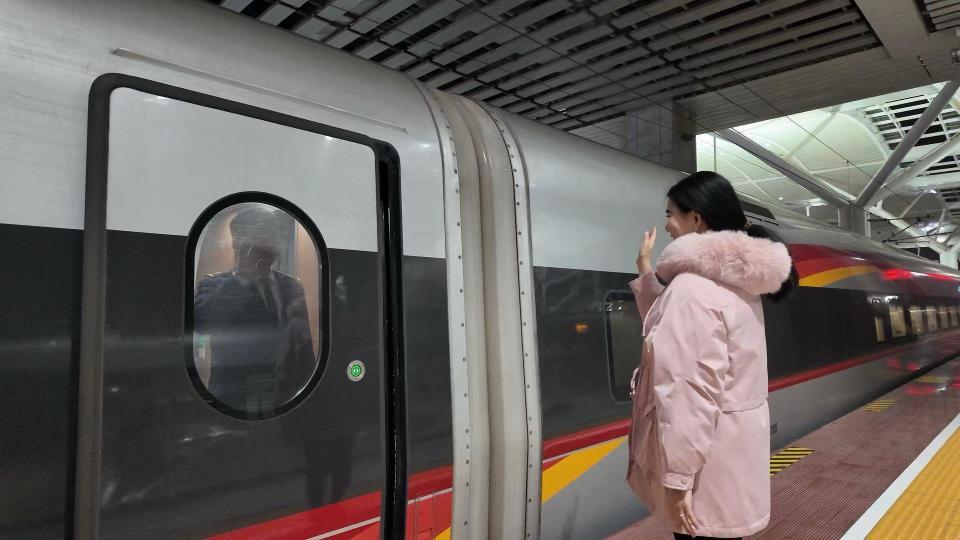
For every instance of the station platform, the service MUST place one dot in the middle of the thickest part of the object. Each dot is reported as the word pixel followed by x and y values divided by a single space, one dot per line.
pixel 890 469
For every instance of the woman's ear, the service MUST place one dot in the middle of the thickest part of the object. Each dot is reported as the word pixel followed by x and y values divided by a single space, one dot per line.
pixel 699 224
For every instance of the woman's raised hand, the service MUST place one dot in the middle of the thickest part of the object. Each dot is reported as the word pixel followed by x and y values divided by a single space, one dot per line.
pixel 646 249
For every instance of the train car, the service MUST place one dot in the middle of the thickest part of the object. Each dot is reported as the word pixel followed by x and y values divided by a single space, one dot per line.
pixel 443 312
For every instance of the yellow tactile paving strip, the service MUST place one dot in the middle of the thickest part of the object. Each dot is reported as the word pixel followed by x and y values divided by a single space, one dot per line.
pixel 787 457
pixel 930 506
pixel 933 379
pixel 879 405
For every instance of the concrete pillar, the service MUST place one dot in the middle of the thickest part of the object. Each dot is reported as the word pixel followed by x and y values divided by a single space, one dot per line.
pixel 664 136
pixel 855 219
pixel 684 140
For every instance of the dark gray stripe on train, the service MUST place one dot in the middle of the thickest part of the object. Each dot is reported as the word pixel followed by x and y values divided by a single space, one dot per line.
pixel 815 327
pixel 154 421
pixel 39 333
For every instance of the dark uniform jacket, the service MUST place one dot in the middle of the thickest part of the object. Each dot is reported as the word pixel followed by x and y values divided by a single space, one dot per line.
pixel 260 355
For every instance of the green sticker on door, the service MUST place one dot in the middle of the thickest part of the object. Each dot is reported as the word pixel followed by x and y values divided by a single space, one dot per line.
pixel 356 370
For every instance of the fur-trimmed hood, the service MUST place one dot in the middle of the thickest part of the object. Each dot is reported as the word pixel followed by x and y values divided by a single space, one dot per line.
pixel 756 265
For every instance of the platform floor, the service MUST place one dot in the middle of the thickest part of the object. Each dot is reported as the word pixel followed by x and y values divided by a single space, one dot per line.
pixel 824 483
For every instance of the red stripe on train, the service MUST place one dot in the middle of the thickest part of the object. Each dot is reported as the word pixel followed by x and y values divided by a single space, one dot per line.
pixel 810 259
pixel 312 522
pixel 427 515
pixel 432 516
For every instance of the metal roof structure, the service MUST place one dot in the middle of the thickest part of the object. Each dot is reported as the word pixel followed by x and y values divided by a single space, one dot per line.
pixel 572 64
pixel 845 145
pixel 940 14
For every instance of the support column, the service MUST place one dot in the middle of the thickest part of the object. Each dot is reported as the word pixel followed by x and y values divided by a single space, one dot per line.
pixel 684 140
pixel 664 136
pixel 855 219
pixel 949 258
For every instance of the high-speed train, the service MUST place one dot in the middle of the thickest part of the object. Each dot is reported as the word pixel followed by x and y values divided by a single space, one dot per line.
pixel 449 330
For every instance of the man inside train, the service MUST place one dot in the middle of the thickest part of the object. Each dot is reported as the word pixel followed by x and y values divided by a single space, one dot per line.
pixel 256 319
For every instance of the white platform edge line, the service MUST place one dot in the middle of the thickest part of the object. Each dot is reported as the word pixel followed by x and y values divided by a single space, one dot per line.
pixel 879 508
pixel 348 528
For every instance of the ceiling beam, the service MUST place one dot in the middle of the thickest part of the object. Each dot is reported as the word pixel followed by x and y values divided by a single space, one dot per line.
pixel 814 185
pixel 878 188
pixel 918 167
pixel 830 194
pixel 912 204
pixel 898 25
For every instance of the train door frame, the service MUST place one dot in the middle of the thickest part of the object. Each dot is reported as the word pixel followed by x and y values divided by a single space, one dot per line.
pixel 515 200
pixel 468 376
pixel 496 213
pixel 86 481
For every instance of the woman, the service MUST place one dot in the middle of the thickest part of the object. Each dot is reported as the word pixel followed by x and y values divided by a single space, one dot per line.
pixel 700 436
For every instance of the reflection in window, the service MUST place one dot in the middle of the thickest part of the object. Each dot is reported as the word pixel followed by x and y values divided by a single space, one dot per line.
pixel 954 320
pixel 931 319
pixel 944 317
pixel 624 341
pixel 916 320
pixel 256 308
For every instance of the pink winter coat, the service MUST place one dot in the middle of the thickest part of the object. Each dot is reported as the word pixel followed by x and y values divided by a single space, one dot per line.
pixel 700 417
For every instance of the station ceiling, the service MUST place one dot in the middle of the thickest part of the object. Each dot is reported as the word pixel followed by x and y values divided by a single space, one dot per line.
pixel 572 64
pixel 581 65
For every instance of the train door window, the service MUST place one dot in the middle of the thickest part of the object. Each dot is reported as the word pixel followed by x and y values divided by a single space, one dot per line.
pixel 256 308
pixel 624 341
pixel 898 323
pixel 932 319
pixel 878 316
pixel 881 332
pixel 944 317
pixel 916 320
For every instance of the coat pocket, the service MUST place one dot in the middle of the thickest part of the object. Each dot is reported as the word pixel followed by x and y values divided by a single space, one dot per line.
pixel 745 405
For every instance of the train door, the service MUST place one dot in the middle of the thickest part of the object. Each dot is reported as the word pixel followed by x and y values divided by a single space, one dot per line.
pixel 240 363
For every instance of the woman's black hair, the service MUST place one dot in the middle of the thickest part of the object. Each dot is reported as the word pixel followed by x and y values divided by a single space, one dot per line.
pixel 712 196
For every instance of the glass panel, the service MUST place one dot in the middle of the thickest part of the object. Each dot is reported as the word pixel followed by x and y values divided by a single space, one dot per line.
pixel 878 324
pixel 624 342
pixel 898 324
pixel 954 320
pixel 256 307
pixel 944 318
pixel 916 320
pixel 932 319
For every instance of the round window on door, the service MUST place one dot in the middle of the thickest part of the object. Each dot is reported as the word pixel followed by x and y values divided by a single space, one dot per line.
pixel 257 308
